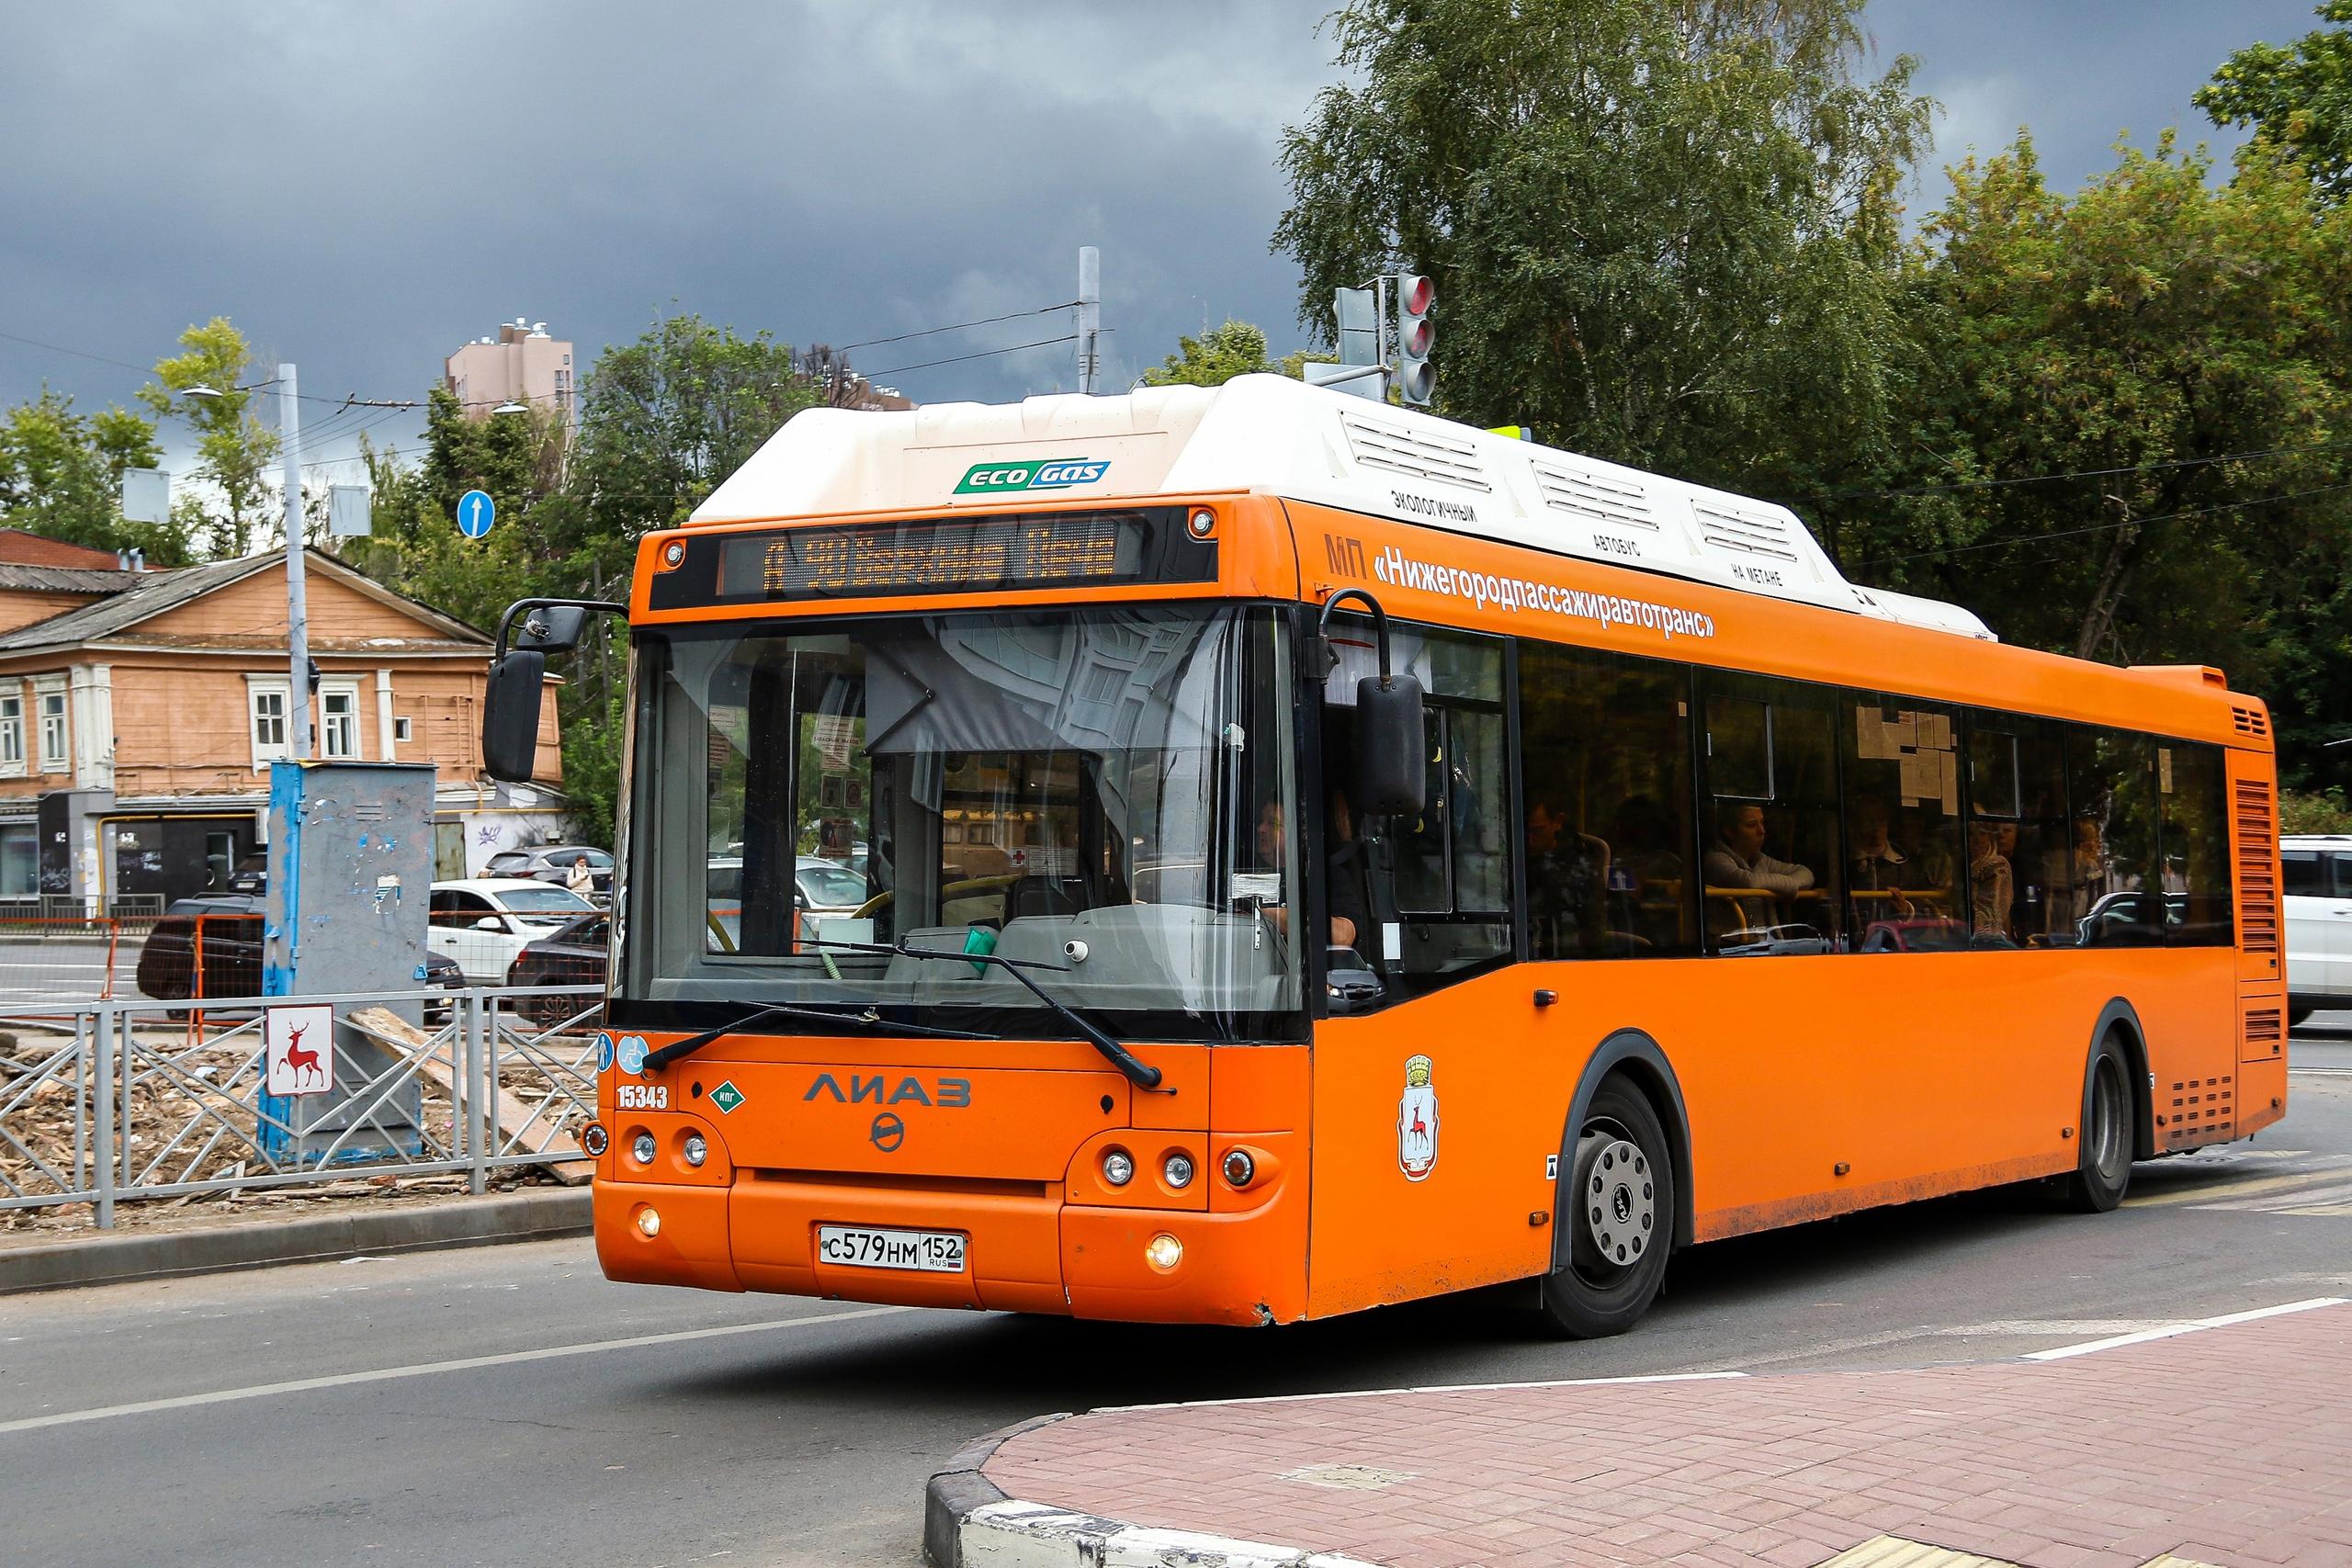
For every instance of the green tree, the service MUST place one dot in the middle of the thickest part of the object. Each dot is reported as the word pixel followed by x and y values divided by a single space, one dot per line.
pixel 234 449
pixel 2122 417
pixel 60 476
pixel 2299 97
pixel 1664 232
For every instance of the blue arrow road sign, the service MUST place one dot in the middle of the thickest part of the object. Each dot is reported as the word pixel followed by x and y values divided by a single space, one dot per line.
pixel 476 513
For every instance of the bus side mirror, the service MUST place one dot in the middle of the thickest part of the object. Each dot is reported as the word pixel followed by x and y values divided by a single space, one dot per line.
pixel 552 628
pixel 1392 772
pixel 510 714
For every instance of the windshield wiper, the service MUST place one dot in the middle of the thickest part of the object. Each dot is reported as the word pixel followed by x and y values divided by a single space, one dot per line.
pixel 871 1018
pixel 1142 1074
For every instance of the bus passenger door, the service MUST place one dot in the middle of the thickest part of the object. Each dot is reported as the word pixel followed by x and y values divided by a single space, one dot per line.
pixel 1429 1141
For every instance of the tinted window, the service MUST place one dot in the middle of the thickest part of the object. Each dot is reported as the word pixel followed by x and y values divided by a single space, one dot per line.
pixel 2195 844
pixel 1902 841
pixel 2018 829
pixel 1606 758
pixel 1773 861
pixel 2115 891
pixel 2301 873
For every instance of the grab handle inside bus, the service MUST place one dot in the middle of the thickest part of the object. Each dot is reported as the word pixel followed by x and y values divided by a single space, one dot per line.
pixel 510 709
pixel 1391 777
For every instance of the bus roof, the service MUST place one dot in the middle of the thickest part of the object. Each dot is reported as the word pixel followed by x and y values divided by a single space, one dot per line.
pixel 1272 436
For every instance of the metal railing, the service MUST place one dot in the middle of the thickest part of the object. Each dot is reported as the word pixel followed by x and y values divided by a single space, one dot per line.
pixel 109 1102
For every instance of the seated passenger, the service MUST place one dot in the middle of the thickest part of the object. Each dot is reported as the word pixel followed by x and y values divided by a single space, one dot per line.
pixel 1567 885
pixel 1271 831
pixel 1737 858
pixel 1877 864
pixel 1989 880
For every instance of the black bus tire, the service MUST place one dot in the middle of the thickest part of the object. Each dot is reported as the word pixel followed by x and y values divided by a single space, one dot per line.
pixel 2103 1168
pixel 1618 1205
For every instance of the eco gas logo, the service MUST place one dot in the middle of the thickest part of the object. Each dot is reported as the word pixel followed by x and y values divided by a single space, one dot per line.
pixel 1000 478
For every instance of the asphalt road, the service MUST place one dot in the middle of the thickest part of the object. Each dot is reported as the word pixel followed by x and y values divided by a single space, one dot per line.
pixel 509 1406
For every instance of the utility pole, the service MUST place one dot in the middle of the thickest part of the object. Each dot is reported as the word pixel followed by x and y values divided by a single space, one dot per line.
pixel 1089 314
pixel 297 617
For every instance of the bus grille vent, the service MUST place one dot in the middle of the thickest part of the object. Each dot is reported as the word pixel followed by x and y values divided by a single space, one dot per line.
pixel 2201 1110
pixel 2249 721
pixel 1749 533
pixel 2262 1025
pixel 1425 455
pixel 1620 503
pixel 2257 868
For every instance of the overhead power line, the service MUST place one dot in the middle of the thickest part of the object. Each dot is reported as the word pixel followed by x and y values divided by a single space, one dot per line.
pixel 984 354
pixel 958 327
pixel 2165 465
pixel 2126 522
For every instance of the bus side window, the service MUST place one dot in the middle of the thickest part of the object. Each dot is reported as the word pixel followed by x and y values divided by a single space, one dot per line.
pixel 1436 886
pixel 2111 794
pixel 1905 887
pixel 1605 751
pixel 2196 845
pixel 1771 865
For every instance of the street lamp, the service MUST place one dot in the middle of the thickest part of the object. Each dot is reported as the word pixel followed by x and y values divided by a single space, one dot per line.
pixel 298 616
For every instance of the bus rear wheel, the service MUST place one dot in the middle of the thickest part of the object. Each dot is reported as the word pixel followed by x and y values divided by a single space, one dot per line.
pixel 1619 1206
pixel 2105 1137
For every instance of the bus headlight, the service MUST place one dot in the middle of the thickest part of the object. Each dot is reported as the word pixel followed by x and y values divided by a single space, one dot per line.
pixel 1118 1167
pixel 648 1221
pixel 697 1150
pixel 1178 1170
pixel 1163 1252
pixel 644 1148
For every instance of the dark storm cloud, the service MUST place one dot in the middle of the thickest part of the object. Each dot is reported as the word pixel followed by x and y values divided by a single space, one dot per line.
pixel 362 189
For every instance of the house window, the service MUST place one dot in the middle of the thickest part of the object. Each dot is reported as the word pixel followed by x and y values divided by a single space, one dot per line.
pixel 339 721
pixel 400 728
pixel 12 733
pixel 269 723
pixel 53 732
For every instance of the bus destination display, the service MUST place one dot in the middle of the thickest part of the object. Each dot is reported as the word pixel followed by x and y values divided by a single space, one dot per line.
pixel 957 555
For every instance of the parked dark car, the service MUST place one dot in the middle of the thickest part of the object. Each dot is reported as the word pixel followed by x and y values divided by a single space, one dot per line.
pixel 553 862
pixel 231 932
pixel 573 955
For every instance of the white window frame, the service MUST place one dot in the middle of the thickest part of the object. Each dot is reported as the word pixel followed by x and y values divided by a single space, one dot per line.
pixel 349 691
pixel 50 703
pixel 401 728
pixel 256 688
pixel 12 731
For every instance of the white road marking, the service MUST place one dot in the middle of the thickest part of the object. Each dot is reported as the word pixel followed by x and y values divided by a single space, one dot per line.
pixel 2319 1072
pixel 2169 1330
pixel 426 1369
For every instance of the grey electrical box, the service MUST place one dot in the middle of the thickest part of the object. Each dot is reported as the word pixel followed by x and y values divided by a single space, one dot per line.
pixel 350 888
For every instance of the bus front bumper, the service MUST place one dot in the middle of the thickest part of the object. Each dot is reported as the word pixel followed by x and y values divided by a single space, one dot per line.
pixel 1025 1251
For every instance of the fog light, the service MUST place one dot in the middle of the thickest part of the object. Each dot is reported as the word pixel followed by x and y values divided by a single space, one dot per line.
pixel 1240 1168
pixel 697 1150
pixel 1118 1167
pixel 595 1139
pixel 1163 1252
pixel 644 1148
pixel 648 1221
pixel 1178 1170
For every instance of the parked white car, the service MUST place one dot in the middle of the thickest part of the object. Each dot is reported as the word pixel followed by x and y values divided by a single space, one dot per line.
pixel 482 922
pixel 2318 876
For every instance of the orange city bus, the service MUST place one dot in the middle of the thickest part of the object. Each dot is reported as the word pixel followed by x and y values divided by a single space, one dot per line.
pixel 1246 855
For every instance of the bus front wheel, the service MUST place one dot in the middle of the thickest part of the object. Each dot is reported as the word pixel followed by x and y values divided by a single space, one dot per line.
pixel 2104 1137
pixel 1618 1206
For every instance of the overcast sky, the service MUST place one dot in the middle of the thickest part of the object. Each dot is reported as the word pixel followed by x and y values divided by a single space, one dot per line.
pixel 362 189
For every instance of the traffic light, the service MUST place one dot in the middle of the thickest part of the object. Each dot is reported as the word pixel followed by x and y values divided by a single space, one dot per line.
pixel 1416 378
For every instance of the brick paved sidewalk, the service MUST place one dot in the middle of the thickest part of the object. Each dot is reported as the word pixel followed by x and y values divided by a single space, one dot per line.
pixel 2229 1445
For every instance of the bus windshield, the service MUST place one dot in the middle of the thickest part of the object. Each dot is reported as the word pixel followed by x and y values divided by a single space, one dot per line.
pixel 1101 790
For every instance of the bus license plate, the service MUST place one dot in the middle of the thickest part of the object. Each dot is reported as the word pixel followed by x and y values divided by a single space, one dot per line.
pixel 932 1252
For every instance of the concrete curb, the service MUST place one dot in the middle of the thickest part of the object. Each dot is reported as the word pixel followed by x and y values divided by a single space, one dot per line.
pixel 425 1227
pixel 969 1522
